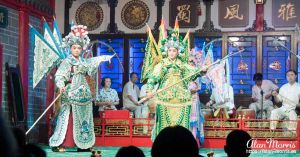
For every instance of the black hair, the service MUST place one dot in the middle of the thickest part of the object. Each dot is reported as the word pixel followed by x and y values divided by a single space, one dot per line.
pixel 103 81
pixel 132 73
pixel 238 143
pixel 130 151
pixel 257 77
pixel 291 70
pixel 175 141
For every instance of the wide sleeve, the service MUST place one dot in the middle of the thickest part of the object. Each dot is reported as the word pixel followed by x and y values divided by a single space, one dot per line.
pixel 155 76
pixel 62 74
pixel 95 62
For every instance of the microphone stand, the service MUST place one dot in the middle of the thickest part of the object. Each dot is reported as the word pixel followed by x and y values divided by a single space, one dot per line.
pixel 262 103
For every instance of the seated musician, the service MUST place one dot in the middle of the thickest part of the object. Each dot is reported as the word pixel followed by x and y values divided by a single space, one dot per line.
pixel 227 102
pixel 289 95
pixel 262 90
pixel 107 97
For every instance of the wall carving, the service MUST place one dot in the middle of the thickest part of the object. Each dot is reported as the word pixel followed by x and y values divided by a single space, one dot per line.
pixel 89 14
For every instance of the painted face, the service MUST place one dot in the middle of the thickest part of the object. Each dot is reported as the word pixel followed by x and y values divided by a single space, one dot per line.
pixel 172 53
pixel 76 50
pixel 291 77
pixel 107 83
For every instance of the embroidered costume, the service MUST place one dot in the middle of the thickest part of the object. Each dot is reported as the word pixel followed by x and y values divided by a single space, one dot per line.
pixel 173 106
pixel 266 87
pixel 75 119
pixel 197 118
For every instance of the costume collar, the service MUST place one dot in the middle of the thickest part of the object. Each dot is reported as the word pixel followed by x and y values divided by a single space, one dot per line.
pixel 72 60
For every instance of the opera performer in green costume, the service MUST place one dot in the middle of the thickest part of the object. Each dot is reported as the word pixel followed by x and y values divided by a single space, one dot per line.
pixel 166 64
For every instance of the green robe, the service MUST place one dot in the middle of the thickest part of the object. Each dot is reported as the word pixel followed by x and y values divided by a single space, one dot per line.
pixel 173 106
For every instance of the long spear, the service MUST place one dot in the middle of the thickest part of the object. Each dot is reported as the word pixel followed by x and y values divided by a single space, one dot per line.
pixel 277 42
pixel 176 83
pixel 43 113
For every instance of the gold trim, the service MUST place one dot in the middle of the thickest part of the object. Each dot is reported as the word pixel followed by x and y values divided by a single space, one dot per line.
pixel 173 103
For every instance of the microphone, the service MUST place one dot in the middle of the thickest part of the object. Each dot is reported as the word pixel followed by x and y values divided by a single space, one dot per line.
pixel 262 92
pixel 261 103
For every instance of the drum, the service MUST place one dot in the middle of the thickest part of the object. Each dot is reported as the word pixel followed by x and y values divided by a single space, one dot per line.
pixel 207 113
pixel 246 113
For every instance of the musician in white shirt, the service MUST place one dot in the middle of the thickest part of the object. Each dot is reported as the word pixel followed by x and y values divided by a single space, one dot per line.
pixel 130 95
pixel 262 93
pixel 289 95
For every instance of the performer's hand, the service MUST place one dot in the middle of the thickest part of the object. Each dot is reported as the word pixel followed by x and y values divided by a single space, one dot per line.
pixel 274 93
pixel 137 103
pixel 62 90
pixel 254 99
pixel 208 104
pixel 268 96
pixel 193 91
pixel 204 68
pixel 149 95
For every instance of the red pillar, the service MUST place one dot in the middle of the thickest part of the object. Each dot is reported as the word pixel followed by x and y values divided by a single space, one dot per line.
pixel 52 4
pixel 50 88
pixel 23 51
pixel 259 17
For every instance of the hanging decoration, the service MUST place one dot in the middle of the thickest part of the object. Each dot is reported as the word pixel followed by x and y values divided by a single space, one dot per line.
pixel 135 14
pixel 89 14
pixel 242 66
pixel 275 65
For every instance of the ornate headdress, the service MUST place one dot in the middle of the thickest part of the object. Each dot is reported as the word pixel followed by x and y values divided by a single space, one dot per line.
pixel 174 40
pixel 78 35
pixel 155 52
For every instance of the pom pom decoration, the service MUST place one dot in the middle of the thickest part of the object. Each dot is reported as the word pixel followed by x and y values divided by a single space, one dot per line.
pixel 78 35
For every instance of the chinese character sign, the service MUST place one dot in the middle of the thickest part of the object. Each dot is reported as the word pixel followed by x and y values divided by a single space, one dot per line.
pixel 233 13
pixel 185 11
pixel 285 13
